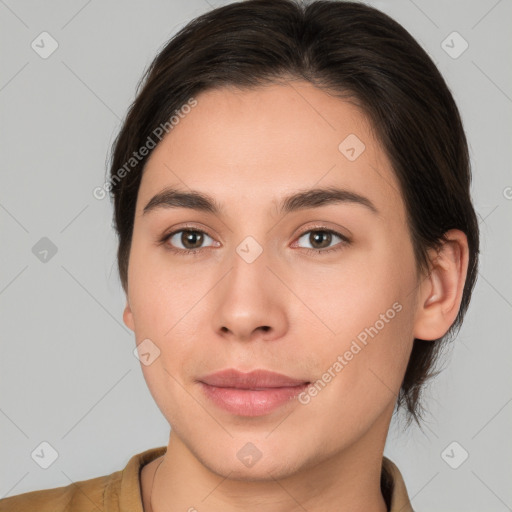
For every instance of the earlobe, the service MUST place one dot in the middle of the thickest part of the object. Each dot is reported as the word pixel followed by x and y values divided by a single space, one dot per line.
pixel 128 317
pixel 440 293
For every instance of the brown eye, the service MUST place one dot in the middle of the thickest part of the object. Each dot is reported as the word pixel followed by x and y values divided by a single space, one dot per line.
pixel 187 239
pixel 321 240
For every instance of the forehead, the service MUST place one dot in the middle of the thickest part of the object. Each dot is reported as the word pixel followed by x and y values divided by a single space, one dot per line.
pixel 265 142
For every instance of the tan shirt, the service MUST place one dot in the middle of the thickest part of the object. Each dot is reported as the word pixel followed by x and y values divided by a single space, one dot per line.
pixel 120 491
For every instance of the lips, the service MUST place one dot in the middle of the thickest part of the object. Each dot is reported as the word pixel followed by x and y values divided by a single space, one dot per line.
pixel 250 394
pixel 257 379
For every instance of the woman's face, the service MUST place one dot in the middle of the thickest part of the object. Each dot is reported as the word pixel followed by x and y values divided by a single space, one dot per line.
pixel 271 286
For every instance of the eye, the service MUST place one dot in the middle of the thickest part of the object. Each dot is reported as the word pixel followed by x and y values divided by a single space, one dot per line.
pixel 190 241
pixel 186 241
pixel 321 239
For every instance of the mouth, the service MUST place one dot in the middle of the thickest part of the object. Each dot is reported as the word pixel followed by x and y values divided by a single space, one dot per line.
pixel 256 393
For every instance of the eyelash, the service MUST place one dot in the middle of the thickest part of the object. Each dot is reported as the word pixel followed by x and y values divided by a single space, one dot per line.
pixel 194 252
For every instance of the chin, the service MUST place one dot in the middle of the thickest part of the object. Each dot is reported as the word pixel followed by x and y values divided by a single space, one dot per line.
pixel 262 471
pixel 252 464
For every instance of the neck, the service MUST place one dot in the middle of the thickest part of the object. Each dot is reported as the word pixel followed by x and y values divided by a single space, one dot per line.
pixel 348 480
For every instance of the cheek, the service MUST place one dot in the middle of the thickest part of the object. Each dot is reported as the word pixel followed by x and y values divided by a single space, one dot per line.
pixel 167 303
pixel 352 293
pixel 369 309
pixel 358 380
pixel 163 303
pixel 160 294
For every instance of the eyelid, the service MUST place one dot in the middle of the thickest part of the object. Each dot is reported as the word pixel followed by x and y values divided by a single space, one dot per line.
pixel 185 227
pixel 324 227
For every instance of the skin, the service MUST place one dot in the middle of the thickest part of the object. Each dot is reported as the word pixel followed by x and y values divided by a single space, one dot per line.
pixel 207 312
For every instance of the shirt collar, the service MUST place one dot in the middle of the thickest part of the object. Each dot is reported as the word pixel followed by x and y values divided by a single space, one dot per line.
pixel 399 498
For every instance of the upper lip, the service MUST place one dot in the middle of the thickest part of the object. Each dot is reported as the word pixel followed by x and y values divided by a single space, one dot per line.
pixel 232 378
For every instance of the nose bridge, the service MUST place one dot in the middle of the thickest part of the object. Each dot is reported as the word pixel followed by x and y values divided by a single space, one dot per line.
pixel 248 298
pixel 248 279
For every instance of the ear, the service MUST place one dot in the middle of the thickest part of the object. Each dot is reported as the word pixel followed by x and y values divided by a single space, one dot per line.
pixel 440 292
pixel 128 316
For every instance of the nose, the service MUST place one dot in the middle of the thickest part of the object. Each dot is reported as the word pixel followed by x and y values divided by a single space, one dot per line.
pixel 251 302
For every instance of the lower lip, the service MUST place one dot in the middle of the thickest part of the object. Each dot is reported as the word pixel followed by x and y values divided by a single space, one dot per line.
pixel 249 402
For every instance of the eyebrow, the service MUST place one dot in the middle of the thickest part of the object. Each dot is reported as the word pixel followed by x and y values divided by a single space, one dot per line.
pixel 312 198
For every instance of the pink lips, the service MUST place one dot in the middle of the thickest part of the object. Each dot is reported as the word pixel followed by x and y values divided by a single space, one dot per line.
pixel 250 394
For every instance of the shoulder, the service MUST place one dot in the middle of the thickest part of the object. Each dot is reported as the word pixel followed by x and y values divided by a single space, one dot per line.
pixel 117 491
pixel 83 496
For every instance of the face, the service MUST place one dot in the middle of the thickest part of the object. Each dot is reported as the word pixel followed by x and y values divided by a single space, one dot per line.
pixel 319 289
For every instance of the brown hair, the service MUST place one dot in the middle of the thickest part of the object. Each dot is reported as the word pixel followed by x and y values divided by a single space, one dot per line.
pixel 351 50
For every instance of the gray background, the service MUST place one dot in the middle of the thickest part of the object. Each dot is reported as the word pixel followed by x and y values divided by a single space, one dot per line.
pixel 68 375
